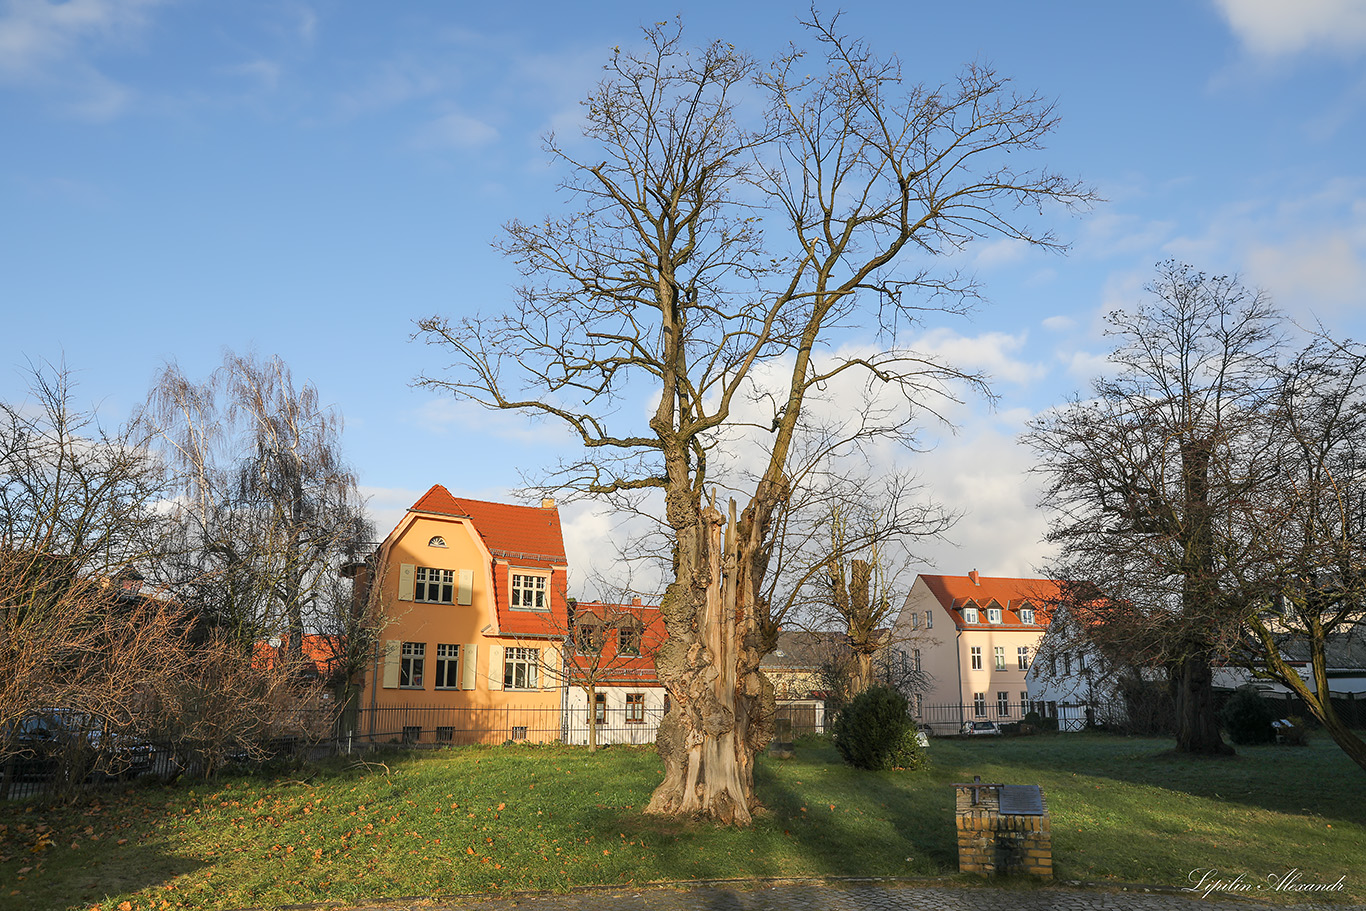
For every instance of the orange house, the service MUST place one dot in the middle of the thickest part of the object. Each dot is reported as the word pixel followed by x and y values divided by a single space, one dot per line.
pixel 472 598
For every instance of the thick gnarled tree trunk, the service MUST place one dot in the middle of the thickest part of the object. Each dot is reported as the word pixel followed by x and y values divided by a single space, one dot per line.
pixel 722 707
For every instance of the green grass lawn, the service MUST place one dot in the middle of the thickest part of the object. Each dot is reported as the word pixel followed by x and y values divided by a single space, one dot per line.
pixel 550 817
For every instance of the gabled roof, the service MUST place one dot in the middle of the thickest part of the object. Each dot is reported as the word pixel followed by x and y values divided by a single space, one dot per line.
pixel 525 535
pixel 954 593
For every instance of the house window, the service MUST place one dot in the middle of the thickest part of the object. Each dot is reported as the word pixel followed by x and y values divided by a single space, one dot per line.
pixel 969 615
pixel 1026 615
pixel 915 660
pixel 1000 658
pixel 599 708
pixel 918 704
pixel 1067 663
pixel 588 639
pixel 1024 699
pixel 519 668
pixel 437 541
pixel 635 708
pixel 915 621
pixel 976 657
pixel 1003 704
pixel 979 704
pixel 436 586
pixel 993 615
pixel 445 734
pixel 1053 665
pixel 929 620
pixel 519 732
pixel 410 665
pixel 628 640
pixel 1022 656
pixel 528 592
pixel 1081 661
pixel 447 667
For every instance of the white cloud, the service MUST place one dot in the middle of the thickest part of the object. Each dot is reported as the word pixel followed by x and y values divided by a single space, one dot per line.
pixel 1277 28
pixel 1059 323
pixel 265 73
pixel 48 47
pixel 455 131
pixel 992 353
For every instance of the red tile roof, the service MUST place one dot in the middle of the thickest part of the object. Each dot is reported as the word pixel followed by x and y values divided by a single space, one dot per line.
pixel 615 669
pixel 957 592
pixel 525 535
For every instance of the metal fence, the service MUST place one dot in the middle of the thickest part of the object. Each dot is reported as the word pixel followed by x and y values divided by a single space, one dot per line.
pixel 947 719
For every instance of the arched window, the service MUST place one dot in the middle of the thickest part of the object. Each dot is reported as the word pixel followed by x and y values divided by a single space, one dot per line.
pixel 437 541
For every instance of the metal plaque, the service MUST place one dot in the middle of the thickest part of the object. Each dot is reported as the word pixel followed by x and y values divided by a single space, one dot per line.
pixel 1021 800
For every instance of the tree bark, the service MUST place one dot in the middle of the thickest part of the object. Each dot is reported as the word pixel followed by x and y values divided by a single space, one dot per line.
pixel 721 712
pixel 1197 724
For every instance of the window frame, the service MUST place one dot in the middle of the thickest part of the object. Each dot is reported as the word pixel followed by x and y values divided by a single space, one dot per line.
pixel 530 584
pixel 993 615
pixel 999 657
pixel 1022 656
pixel 528 660
pixel 444 585
pixel 1002 704
pixel 629 636
pixel 635 708
pixel 970 615
pixel 1027 615
pixel 979 705
pixel 447 664
pixel 412 657
pixel 975 653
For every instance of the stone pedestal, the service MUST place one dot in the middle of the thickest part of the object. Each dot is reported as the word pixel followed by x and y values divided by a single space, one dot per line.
pixel 993 842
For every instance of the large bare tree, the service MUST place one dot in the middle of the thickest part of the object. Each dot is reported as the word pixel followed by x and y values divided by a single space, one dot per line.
pixel 1308 530
pixel 1149 479
pixel 729 221
pixel 269 508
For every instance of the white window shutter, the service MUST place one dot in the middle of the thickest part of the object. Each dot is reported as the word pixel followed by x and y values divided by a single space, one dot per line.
pixel 469 663
pixel 405 582
pixel 550 668
pixel 495 667
pixel 466 591
pixel 390 656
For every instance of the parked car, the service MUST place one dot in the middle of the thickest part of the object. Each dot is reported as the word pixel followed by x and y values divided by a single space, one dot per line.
pixel 980 728
pixel 53 741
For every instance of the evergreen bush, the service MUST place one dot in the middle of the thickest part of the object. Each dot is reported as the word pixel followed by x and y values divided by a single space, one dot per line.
pixel 1247 718
pixel 870 732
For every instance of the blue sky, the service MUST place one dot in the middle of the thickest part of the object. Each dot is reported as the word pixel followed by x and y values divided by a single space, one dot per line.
pixel 308 178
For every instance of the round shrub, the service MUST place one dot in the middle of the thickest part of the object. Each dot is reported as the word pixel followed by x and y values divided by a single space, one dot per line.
pixel 909 754
pixel 1247 718
pixel 871 729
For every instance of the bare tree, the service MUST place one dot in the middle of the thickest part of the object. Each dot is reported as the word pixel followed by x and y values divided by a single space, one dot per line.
pixel 269 511
pixel 1148 478
pixel 1309 530
pixel 77 517
pixel 711 257
pixel 839 544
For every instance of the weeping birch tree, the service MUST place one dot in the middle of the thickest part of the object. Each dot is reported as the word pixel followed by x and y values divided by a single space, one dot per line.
pixel 732 220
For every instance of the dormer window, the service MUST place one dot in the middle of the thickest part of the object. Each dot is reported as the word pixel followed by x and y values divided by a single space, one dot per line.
pixel 530 592
pixel 969 615
pixel 1026 615
pixel 993 615
pixel 437 541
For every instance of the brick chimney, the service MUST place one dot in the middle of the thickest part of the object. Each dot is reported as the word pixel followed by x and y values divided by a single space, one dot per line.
pixel 548 503
pixel 973 576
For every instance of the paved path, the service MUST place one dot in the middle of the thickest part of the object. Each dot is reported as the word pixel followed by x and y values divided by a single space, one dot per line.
pixel 845 896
